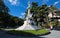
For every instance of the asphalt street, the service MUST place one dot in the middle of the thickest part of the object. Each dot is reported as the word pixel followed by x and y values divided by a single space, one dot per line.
pixel 54 34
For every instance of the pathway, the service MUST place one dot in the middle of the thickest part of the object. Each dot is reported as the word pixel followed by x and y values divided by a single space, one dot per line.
pixel 54 34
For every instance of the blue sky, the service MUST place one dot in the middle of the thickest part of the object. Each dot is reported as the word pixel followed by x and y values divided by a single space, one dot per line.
pixel 18 7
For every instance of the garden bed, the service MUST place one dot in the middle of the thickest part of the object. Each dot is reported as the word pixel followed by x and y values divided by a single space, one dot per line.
pixel 28 32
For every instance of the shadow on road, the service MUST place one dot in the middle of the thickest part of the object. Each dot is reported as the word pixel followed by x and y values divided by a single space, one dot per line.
pixel 3 34
pixel 56 28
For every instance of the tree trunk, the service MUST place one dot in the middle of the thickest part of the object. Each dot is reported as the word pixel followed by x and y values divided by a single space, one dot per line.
pixel 47 22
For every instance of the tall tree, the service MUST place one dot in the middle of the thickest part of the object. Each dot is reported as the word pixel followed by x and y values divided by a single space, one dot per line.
pixel 40 13
pixel 7 20
pixel 3 11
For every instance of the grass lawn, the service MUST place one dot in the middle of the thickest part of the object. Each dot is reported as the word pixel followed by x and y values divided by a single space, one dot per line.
pixel 1 28
pixel 28 32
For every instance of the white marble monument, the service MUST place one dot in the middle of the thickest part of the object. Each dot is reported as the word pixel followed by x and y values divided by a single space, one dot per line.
pixel 29 23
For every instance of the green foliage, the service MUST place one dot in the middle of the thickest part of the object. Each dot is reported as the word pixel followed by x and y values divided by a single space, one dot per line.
pixel 41 12
pixel 52 23
pixel 28 32
pixel 34 4
pixel 7 20
pixel 59 24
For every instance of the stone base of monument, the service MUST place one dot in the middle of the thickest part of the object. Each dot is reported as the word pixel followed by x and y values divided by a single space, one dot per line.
pixel 27 26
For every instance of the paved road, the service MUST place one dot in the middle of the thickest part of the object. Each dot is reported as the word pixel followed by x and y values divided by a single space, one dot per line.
pixel 3 34
pixel 54 34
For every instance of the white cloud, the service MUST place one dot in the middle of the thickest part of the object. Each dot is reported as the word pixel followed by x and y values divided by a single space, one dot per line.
pixel 22 15
pixel 14 2
pixel 56 2
pixel 45 1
